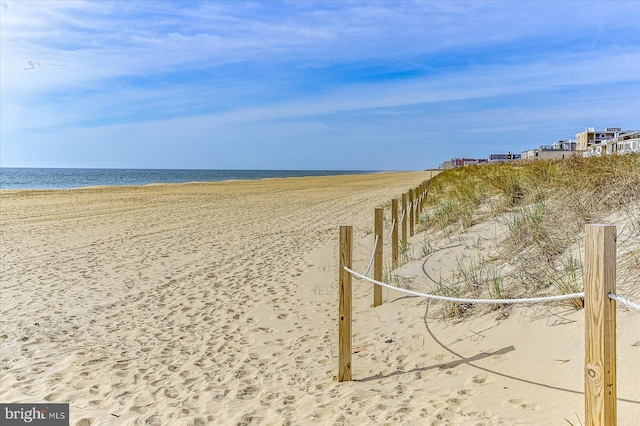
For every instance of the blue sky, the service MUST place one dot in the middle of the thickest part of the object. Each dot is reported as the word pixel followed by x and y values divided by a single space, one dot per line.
pixel 308 85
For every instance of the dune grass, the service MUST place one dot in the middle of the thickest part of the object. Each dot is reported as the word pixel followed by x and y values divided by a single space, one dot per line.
pixel 542 207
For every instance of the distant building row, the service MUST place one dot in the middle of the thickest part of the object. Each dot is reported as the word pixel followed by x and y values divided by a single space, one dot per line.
pixel 591 142
pixel 493 158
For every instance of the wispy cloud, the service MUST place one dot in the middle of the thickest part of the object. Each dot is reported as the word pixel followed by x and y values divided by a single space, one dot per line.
pixel 266 72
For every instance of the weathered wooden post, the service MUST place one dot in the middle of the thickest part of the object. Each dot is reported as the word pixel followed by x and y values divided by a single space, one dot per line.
pixel 418 201
pixel 600 325
pixel 410 212
pixel 405 215
pixel 424 197
pixel 344 310
pixel 394 231
pixel 424 193
pixel 377 258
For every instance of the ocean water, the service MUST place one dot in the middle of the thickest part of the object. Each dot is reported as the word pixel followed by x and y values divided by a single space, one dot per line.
pixel 44 178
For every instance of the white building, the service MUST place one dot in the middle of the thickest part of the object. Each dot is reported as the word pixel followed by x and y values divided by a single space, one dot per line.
pixel 559 150
pixel 623 142
pixel 591 136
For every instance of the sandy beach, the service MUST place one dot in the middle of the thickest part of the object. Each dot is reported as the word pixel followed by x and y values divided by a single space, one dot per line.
pixel 216 303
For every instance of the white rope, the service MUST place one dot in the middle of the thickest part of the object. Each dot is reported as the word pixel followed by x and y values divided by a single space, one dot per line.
pixel 393 225
pixel 462 300
pixel 402 217
pixel 373 253
pixel 624 301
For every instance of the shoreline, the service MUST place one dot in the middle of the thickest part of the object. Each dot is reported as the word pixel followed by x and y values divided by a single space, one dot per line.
pixel 142 185
pixel 329 173
pixel 169 184
pixel 160 184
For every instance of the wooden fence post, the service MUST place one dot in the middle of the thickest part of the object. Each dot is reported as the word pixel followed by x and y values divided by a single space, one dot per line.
pixel 426 191
pixel 344 311
pixel 600 325
pixel 394 232
pixel 404 218
pixel 418 201
pixel 410 212
pixel 377 258
pixel 424 196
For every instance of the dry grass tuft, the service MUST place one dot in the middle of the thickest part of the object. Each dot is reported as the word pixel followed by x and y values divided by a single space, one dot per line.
pixel 544 207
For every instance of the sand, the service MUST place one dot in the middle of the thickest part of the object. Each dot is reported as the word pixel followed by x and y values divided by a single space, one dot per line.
pixel 216 303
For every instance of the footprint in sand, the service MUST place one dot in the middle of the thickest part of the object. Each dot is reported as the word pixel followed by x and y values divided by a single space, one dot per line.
pixel 521 403
pixel 478 379
pixel 455 402
pixel 251 419
pixel 247 393
pixel 467 392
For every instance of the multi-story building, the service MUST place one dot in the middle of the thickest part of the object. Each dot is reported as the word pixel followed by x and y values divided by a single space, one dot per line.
pixel 627 142
pixel 591 137
pixel 623 142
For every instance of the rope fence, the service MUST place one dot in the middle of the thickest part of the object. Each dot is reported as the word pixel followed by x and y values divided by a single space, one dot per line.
pixel 412 204
pixel 467 300
pixel 393 225
pixel 524 300
pixel 375 245
pixel 626 302
pixel 599 300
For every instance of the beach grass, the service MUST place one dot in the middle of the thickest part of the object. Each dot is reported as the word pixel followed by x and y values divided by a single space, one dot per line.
pixel 542 208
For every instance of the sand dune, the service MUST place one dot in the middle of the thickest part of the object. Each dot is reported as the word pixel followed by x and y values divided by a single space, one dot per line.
pixel 216 303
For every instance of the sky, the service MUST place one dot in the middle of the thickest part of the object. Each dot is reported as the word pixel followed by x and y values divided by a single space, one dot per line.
pixel 331 85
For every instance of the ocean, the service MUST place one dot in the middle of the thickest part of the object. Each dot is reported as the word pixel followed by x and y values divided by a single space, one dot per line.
pixel 49 178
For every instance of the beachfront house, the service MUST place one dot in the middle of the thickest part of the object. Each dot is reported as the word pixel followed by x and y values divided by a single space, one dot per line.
pixel 592 137
pixel 559 150
pixel 622 142
pixel 628 142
